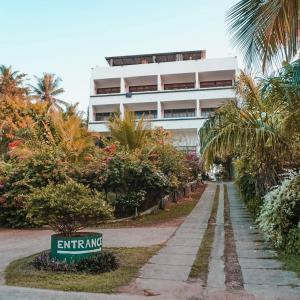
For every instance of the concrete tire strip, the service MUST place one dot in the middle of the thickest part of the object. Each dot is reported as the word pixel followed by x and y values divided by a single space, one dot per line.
pixel 263 275
pixel 168 271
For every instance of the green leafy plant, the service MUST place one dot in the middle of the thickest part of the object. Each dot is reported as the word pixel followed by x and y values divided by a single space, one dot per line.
pixel 280 215
pixel 67 207
pixel 96 264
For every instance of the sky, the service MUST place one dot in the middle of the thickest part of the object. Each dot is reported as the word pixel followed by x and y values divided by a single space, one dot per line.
pixel 69 37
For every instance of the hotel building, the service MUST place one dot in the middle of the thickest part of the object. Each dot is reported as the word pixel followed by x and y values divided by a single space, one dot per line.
pixel 176 91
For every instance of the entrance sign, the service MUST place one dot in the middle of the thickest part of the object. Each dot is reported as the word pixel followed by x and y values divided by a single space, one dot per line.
pixel 77 247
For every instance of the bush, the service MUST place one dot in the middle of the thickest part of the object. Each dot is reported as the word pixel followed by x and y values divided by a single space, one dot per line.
pixel 96 264
pixel 67 207
pixel 17 178
pixel 280 215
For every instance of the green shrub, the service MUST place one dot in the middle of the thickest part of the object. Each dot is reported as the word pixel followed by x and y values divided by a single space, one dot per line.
pixel 67 207
pixel 280 215
pixel 18 177
pixel 96 264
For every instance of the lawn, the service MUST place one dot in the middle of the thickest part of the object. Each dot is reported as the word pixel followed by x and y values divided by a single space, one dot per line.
pixel 291 262
pixel 22 273
pixel 173 212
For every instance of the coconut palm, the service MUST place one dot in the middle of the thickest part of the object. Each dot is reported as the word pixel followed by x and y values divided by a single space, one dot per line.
pixel 47 89
pixel 255 127
pixel 128 131
pixel 11 82
pixel 265 31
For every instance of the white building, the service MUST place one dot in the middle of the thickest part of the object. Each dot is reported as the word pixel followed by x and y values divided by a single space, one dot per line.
pixel 177 91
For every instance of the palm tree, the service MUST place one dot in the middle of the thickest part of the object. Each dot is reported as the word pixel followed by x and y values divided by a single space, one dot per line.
pixel 47 89
pixel 256 127
pixel 128 131
pixel 11 82
pixel 265 31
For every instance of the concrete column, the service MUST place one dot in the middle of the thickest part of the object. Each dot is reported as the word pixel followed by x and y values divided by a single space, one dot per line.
pixel 197 82
pixel 122 110
pixel 123 87
pixel 159 85
pixel 198 113
pixel 91 114
pixel 158 110
pixel 198 148
pixel 92 87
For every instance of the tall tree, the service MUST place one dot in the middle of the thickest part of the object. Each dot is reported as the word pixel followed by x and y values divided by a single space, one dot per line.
pixel 265 31
pixel 11 82
pixel 47 89
pixel 262 127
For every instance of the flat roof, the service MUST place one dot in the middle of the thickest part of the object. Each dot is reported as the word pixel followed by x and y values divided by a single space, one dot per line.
pixel 155 57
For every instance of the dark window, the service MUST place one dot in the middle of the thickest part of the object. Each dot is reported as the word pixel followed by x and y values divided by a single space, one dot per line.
pixel 179 113
pixel 217 83
pixel 108 90
pixel 143 88
pixel 103 116
pixel 148 114
pixel 178 86
pixel 208 111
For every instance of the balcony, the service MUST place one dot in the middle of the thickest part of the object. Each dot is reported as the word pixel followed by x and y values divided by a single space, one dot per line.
pixel 108 90
pixel 142 88
pixel 180 113
pixel 215 83
pixel 179 86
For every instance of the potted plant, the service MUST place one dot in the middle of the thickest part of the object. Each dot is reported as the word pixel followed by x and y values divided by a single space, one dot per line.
pixel 68 208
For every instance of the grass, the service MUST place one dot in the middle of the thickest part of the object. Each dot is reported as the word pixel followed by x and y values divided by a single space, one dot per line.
pixel 291 262
pixel 22 273
pixel 201 264
pixel 173 212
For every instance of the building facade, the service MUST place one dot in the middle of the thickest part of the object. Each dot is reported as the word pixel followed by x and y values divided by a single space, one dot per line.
pixel 176 91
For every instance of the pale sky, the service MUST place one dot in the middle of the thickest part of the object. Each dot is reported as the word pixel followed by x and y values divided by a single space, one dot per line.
pixel 69 37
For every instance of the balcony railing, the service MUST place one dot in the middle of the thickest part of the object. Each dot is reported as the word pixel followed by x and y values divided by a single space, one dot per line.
pixel 147 114
pixel 179 113
pixel 179 86
pixel 216 83
pixel 108 90
pixel 143 88
pixel 103 116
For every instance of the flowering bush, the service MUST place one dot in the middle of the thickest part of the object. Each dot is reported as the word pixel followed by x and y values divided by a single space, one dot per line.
pixel 18 178
pixel 280 215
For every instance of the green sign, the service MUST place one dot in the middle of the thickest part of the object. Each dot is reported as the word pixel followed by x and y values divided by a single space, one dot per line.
pixel 76 247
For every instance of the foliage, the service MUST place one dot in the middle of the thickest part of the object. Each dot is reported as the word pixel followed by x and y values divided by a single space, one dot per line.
pixel 18 177
pixel 256 129
pixel 66 207
pixel 266 32
pixel 127 131
pixel 17 114
pixel 46 90
pixel 280 215
pixel 96 264
pixel 11 83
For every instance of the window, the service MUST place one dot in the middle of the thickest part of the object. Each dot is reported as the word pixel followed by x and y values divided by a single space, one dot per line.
pixel 179 113
pixel 217 83
pixel 148 114
pixel 108 90
pixel 103 116
pixel 143 88
pixel 208 111
pixel 179 86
